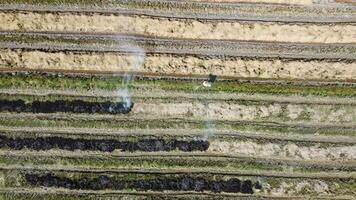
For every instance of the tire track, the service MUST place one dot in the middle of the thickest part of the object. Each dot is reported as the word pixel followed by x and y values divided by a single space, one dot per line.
pixel 114 194
pixel 176 96
pixel 328 175
pixel 206 10
pixel 200 47
pixel 184 156
pixel 179 112
pixel 178 28
pixel 122 119
pixel 292 137
pixel 175 77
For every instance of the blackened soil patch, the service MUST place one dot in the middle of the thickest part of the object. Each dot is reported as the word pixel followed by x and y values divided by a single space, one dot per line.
pixel 182 183
pixel 146 145
pixel 76 106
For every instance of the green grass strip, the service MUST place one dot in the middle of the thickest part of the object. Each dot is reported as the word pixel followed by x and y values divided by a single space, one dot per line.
pixel 171 123
pixel 35 81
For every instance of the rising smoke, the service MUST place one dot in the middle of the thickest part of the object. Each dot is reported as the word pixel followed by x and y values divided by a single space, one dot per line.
pixel 137 57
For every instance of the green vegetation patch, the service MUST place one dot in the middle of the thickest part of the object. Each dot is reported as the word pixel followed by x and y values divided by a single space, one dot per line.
pixel 112 162
pixel 167 162
pixel 58 82
pixel 127 123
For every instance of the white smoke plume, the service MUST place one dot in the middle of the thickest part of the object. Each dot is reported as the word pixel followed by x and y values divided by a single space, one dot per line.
pixel 128 45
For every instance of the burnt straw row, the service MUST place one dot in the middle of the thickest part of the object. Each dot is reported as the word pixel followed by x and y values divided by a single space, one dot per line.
pixel 182 183
pixel 107 145
pixel 75 106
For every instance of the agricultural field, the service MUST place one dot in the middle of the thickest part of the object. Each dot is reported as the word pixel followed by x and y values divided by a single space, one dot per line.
pixel 160 99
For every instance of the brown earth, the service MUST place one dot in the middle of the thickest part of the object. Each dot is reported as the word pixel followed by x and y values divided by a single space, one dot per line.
pixel 290 150
pixel 180 65
pixel 261 31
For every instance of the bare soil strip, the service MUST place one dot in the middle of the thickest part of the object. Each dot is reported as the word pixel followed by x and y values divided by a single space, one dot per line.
pixel 186 156
pixel 114 194
pixel 321 175
pixel 292 150
pixel 228 112
pixel 78 118
pixel 177 28
pixel 283 11
pixel 176 96
pixel 187 133
pixel 150 45
pixel 179 66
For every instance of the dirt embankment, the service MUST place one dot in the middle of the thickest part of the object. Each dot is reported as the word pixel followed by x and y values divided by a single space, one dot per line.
pixel 299 2
pixel 262 31
pixel 180 65
pixel 248 112
pixel 290 150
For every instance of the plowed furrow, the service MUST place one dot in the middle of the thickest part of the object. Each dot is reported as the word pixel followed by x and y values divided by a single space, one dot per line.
pixel 182 65
pixel 166 133
pixel 97 121
pixel 119 43
pixel 166 194
pixel 174 96
pixel 43 169
pixel 199 158
pixel 266 11
pixel 177 28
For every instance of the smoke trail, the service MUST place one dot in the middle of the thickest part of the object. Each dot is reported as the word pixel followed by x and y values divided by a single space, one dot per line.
pixel 210 126
pixel 137 57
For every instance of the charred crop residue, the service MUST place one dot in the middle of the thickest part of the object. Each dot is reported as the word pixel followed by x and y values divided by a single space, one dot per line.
pixel 180 183
pixel 76 106
pixel 107 145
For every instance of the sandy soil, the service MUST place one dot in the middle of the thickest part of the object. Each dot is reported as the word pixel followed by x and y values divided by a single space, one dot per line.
pixel 184 65
pixel 295 187
pixel 351 2
pixel 299 2
pixel 266 31
pixel 290 150
pixel 249 112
